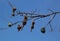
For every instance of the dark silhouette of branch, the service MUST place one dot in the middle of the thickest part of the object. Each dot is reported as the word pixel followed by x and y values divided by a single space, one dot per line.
pixel 29 16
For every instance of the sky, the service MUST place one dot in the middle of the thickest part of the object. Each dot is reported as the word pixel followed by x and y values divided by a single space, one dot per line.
pixel 42 6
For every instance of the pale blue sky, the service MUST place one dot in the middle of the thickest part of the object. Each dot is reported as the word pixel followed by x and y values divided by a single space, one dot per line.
pixel 11 34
